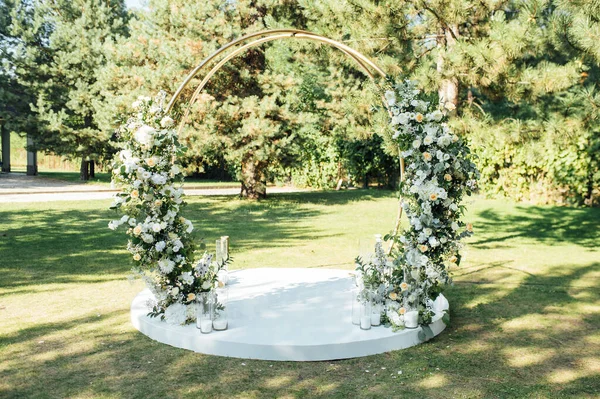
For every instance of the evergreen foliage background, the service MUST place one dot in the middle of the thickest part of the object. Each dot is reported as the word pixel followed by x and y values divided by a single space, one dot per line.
pixel 521 74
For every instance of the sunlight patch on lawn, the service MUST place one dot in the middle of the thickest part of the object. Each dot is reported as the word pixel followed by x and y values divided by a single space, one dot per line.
pixel 523 357
pixel 529 322
pixel 563 376
pixel 434 381
pixel 489 298
pixel 278 382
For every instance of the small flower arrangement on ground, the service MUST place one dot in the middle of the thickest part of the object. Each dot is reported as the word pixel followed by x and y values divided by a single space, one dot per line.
pixel 371 274
pixel 151 200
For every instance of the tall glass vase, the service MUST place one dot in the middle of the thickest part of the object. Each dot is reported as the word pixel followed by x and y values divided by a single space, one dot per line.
pixel 220 321
pixel 205 311
pixel 222 254
pixel 365 314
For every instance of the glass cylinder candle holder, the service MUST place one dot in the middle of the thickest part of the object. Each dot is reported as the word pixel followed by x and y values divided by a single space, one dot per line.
pixel 377 309
pixel 205 312
pixel 365 314
pixel 220 321
pixel 411 319
pixel 222 254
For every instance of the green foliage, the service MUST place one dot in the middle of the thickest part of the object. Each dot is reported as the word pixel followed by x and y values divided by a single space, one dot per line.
pixel 57 50
pixel 521 74
pixel 525 74
pixel 14 96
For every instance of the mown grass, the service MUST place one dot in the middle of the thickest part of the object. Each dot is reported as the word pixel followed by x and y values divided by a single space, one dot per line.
pixel 525 307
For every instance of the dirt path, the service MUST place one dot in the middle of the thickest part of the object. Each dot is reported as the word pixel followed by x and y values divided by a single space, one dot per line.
pixel 17 187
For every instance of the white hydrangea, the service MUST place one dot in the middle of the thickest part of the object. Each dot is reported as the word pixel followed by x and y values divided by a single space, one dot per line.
pixel 176 314
pixel 144 135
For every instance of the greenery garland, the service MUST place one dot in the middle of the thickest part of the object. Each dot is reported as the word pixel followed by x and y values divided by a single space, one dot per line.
pixel 439 174
pixel 151 199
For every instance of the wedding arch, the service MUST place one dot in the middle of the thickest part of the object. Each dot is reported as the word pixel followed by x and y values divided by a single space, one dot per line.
pixel 405 281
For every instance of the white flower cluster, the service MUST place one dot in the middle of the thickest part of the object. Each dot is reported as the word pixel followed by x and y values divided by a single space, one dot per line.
pixel 151 198
pixel 371 273
pixel 438 175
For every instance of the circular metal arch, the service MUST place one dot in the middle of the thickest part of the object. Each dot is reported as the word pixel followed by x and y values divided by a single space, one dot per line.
pixel 367 66
pixel 363 61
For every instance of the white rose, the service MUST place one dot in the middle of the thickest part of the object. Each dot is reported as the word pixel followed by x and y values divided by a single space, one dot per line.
pixel 390 97
pixel 158 179
pixel 428 140
pixel 445 140
pixel 166 122
pixel 147 238
pixel 206 285
pixel 190 227
pixel 436 115
pixel 156 227
pixel 454 226
pixel 416 144
pixel 433 242
pixel 160 246
pixel 187 278
pixel 403 118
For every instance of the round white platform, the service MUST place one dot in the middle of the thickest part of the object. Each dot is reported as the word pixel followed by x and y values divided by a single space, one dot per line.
pixel 283 314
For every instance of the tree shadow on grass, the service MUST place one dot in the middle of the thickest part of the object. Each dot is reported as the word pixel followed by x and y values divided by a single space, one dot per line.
pixel 59 245
pixel 548 225
pixel 529 341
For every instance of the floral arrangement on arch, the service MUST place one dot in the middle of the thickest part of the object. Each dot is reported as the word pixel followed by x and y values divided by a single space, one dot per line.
pixel 438 175
pixel 160 240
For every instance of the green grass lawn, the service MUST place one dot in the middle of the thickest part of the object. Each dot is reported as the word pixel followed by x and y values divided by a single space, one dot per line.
pixel 525 307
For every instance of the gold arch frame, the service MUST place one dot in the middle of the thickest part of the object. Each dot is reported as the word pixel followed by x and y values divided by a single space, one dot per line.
pixel 368 66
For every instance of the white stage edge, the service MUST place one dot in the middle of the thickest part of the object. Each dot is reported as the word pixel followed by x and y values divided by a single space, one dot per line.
pixel 283 314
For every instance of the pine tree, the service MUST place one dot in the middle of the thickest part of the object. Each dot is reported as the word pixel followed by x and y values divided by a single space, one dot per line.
pixel 502 67
pixel 15 113
pixel 255 114
pixel 59 47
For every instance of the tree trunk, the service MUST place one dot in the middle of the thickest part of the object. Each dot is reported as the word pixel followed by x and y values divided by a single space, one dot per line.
pixel 5 149
pixel 32 168
pixel 448 90
pixel 92 169
pixel 253 180
pixel 83 170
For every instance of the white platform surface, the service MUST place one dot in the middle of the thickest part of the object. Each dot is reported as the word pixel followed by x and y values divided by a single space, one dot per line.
pixel 283 314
